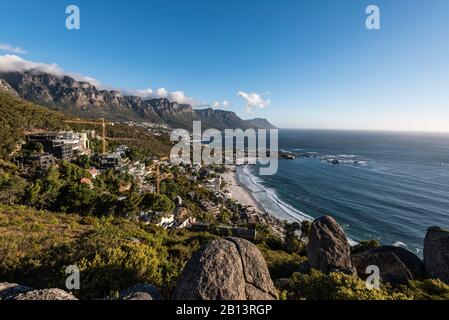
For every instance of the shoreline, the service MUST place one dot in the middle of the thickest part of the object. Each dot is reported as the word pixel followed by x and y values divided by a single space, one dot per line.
pixel 243 194
pixel 239 191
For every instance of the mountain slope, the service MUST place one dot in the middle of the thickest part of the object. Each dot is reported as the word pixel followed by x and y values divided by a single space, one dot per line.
pixel 18 116
pixel 84 99
pixel 260 123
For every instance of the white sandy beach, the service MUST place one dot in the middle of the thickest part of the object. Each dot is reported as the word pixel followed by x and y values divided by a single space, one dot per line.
pixel 239 191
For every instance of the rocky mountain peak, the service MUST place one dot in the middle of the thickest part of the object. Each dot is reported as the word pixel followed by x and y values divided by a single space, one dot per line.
pixel 84 99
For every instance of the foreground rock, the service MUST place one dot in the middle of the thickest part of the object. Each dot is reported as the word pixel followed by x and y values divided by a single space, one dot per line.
pixel 413 263
pixel 141 292
pixel 436 254
pixel 45 294
pixel 226 269
pixel 392 269
pixel 328 248
pixel 8 290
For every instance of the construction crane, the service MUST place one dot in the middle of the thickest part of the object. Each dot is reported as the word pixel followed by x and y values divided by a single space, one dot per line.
pixel 101 122
pixel 160 177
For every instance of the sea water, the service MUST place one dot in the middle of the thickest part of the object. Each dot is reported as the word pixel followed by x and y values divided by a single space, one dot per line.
pixel 386 186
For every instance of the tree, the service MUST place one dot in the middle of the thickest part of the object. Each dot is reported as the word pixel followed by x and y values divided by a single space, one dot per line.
pixel 51 184
pixel 106 204
pixel 292 243
pixel 77 198
pixel 34 147
pixel 306 226
pixel 32 194
pixel 11 188
pixel 130 206
pixel 83 161
pixel 157 202
pixel 225 216
pixel 72 173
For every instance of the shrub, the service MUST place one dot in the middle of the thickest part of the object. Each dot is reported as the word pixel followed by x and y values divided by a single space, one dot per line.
pixel 365 245
pixel 337 286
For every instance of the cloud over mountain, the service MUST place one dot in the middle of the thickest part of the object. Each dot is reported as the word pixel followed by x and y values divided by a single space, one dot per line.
pixel 149 93
pixel 253 100
pixel 14 63
pixel 220 104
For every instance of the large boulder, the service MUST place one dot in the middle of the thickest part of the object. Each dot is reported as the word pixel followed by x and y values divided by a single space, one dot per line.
pixel 328 248
pixel 226 269
pixel 436 254
pixel 141 292
pixel 413 263
pixel 45 294
pixel 9 290
pixel 391 268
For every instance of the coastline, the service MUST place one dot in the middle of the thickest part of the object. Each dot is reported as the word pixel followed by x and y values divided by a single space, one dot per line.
pixel 244 195
pixel 239 191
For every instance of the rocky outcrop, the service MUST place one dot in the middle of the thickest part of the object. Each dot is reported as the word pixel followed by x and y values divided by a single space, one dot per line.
pixel 5 87
pixel 436 254
pixel 45 294
pixel 226 269
pixel 261 123
pixel 141 292
pixel 391 268
pixel 84 99
pixel 328 248
pixel 9 290
pixel 414 264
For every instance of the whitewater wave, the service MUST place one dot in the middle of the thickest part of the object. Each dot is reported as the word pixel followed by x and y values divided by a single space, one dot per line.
pixel 400 244
pixel 271 195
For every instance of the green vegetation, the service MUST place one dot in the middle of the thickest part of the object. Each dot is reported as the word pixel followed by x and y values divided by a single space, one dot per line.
pixel 281 264
pixel 338 286
pixel 19 116
pixel 50 220
pixel 112 253
pixel 365 245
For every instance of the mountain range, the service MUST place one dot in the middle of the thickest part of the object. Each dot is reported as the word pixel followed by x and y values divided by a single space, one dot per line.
pixel 83 99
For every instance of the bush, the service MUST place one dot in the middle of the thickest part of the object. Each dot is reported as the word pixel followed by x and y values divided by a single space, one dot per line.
pixel 365 245
pixel 280 263
pixel 429 289
pixel 337 286
pixel 111 253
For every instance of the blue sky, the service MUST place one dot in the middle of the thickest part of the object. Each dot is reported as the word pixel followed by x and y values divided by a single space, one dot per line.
pixel 314 61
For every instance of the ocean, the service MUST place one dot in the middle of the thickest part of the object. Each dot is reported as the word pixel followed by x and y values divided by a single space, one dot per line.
pixel 386 186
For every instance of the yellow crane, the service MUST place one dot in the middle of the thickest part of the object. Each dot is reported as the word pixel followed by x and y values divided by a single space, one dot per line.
pixel 101 122
pixel 160 177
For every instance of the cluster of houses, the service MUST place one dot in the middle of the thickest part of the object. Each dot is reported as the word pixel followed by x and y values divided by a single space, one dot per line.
pixel 67 145
pixel 154 128
pixel 178 219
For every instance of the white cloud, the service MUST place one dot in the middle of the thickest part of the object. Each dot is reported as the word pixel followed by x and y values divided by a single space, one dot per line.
pixel 11 49
pixel 162 93
pixel 175 96
pixel 13 63
pixel 254 100
pixel 144 93
pixel 220 104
